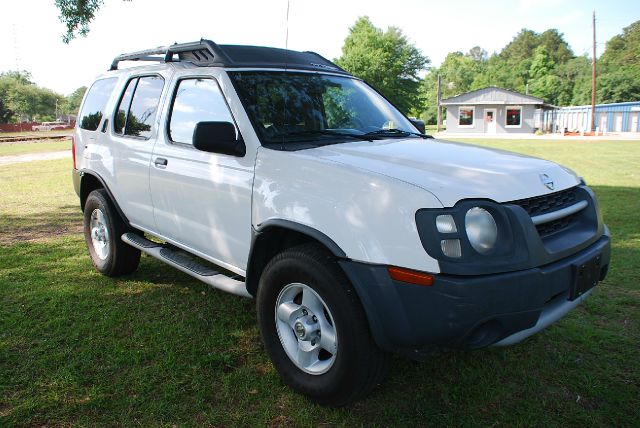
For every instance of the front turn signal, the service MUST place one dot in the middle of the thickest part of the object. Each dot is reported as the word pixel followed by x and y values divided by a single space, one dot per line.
pixel 410 276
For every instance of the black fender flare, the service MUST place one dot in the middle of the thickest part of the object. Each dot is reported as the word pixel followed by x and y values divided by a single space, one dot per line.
pixel 253 274
pixel 85 172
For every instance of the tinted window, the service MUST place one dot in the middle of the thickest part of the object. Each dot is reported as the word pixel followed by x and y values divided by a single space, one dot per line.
pixel 287 107
pixel 196 100
pixel 93 107
pixel 144 106
pixel 121 113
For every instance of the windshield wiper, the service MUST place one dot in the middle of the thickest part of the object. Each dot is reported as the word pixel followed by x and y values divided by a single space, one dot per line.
pixel 363 137
pixel 394 132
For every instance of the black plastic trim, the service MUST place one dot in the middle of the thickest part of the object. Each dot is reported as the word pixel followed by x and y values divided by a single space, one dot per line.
pixel 463 311
pixel 258 251
pixel 84 172
pixel 519 245
pixel 306 230
pixel 207 53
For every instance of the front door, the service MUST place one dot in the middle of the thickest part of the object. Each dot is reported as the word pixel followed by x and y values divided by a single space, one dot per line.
pixel 490 121
pixel 634 122
pixel 201 200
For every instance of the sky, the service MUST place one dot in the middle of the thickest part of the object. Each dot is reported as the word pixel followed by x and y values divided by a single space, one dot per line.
pixel 31 33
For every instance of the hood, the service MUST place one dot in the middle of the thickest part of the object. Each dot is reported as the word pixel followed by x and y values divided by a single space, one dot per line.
pixel 453 171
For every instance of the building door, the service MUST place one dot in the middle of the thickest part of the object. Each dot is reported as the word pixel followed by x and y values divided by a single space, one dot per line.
pixel 490 121
pixel 618 122
pixel 603 122
pixel 634 122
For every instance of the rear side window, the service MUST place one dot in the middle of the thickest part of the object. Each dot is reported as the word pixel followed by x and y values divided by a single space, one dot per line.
pixel 196 100
pixel 138 107
pixel 121 114
pixel 95 102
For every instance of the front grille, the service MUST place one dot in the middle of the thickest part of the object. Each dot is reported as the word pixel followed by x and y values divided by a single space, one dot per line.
pixel 546 229
pixel 549 203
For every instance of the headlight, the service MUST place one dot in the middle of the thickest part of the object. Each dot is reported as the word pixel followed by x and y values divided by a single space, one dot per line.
pixel 481 228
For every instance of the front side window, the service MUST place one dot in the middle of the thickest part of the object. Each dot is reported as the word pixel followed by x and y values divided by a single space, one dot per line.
pixel 466 116
pixel 196 100
pixel 138 107
pixel 514 116
pixel 95 102
pixel 292 108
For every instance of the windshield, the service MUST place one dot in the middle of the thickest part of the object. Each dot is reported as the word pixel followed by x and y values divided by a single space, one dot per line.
pixel 290 109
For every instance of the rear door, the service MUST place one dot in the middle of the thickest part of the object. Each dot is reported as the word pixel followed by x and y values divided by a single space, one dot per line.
pixel 132 135
pixel 202 201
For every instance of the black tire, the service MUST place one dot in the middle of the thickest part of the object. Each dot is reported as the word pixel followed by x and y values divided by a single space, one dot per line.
pixel 359 364
pixel 120 258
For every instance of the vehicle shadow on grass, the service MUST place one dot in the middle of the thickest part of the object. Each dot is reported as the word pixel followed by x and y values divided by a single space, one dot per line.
pixel 39 225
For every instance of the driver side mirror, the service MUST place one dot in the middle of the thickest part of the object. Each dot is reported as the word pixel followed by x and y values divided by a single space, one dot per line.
pixel 218 137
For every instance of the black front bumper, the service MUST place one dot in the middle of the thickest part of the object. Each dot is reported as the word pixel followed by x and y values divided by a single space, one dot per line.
pixel 465 311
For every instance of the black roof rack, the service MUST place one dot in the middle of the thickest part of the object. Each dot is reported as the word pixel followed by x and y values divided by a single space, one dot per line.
pixel 207 53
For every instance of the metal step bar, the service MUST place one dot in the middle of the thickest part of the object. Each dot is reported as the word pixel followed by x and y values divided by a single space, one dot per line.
pixel 187 265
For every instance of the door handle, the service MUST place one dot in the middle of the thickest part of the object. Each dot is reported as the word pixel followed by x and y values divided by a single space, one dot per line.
pixel 160 162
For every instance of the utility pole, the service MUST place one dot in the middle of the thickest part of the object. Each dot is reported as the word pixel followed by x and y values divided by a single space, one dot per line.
pixel 439 116
pixel 593 78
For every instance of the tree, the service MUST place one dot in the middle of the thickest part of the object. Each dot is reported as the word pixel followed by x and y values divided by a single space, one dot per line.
pixel 477 54
pixel 521 47
pixel 623 50
pixel 76 16
pixel 25 99
pixel 5 113
pixel 386 60
pixel 619 78
pixel 72 102
pixel 556 46
pixel 20 76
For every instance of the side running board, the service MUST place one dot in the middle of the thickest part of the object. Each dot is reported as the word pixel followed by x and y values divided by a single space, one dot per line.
pixel 187 265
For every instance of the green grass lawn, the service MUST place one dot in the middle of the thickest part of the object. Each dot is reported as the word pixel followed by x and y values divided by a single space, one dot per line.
pixel 7 149
pixel 159 348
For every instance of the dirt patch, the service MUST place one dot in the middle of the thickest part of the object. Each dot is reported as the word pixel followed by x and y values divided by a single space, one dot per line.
pixel 40 226
pixel 38 234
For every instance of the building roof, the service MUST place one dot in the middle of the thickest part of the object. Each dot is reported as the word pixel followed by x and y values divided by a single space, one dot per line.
pixel 492 96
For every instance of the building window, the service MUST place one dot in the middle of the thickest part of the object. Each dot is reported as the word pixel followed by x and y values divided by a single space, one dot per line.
pixel 465 117
pixel 514 117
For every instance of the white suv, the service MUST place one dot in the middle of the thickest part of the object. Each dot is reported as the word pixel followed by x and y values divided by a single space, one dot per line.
pixel 275 174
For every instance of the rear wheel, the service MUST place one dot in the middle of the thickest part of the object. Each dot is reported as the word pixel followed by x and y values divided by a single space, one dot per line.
pixel 103 228
pixel 314 328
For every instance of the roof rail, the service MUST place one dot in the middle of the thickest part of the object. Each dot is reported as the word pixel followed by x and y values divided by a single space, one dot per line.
pixel 204 53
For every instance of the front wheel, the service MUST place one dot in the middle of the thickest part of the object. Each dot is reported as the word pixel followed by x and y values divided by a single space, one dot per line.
pixel 314 328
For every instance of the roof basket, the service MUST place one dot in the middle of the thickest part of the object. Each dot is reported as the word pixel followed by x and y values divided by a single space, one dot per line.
pixel 203 53
pixel 206 53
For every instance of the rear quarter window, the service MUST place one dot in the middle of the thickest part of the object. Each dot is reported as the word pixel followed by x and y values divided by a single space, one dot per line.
pixel 95 102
